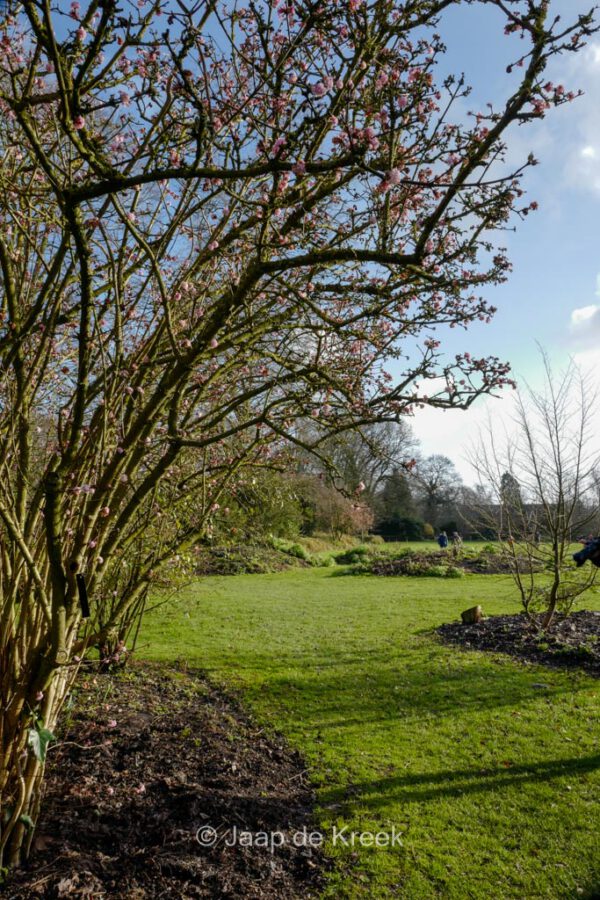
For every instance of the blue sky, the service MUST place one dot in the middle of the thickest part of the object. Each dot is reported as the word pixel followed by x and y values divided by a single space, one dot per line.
pixel 552 297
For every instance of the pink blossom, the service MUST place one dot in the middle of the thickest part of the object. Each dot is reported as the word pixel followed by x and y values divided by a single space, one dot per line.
pixel 81 33
pixel 105 511
pixel 318 89
pixel 278 145
pixel 78 123
pixel 213 245
pixel 39 696
pixel 112 723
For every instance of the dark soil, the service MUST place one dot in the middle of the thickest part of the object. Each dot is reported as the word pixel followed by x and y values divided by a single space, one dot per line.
pixel 124 801
pixel 571 642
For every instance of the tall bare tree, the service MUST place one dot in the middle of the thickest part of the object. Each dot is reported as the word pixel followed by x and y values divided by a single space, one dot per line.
pixel 541 481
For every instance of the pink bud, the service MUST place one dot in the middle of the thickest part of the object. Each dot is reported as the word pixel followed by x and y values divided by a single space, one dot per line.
pixel 105 511
pixel 78 123
pixel 214 343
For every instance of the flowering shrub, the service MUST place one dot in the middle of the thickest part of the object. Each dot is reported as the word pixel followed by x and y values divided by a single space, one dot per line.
pixel 219 222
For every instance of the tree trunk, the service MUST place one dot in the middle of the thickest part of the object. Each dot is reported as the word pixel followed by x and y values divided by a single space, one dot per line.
pixel 22 769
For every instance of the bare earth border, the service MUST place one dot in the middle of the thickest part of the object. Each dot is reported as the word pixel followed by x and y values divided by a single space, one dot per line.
pixel 572 642
pixel 148 757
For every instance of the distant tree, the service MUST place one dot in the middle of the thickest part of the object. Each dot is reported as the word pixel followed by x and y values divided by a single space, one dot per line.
pixel 326 509
pixel 511 499
pixel 395 497
pixel 436 486
pixel 472 524
pixel 367 455
pixel 395 511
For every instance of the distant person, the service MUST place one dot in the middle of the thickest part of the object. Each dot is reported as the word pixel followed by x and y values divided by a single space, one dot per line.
pixel 442 540
pixel 456 542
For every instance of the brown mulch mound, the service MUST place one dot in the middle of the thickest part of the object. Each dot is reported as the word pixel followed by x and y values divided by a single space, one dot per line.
pixel 149 757
pixel 570 642
pixel 417 563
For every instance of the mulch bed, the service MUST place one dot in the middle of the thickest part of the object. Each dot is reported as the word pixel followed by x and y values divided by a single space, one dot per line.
pixel 571 642
pixel 416 563
pixel 149 757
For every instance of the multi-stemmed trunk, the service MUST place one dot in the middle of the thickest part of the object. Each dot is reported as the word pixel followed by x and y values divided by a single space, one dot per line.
pixel 22 760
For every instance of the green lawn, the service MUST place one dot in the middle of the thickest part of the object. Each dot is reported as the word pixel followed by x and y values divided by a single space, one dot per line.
pixel 493 779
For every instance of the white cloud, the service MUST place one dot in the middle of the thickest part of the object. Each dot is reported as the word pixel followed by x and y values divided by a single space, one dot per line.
pixel 584 328
pixel 582 316
pixel 594 54
pixel 579 137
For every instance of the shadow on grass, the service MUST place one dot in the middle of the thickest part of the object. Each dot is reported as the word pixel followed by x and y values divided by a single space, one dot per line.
pixel 379 686
pixel 417 788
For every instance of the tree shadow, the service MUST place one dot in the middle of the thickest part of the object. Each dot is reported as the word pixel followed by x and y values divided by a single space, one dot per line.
pixel 420 788
pixel 377 685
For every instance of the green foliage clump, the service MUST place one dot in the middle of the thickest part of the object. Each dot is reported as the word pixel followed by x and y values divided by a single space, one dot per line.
pixel 353 556
pixel 299 552
pixel 492 549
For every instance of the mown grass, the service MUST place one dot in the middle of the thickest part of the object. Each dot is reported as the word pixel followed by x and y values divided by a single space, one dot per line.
pixel 491 769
